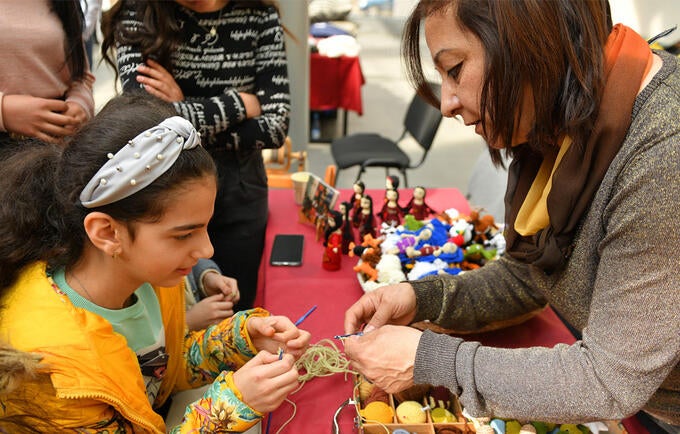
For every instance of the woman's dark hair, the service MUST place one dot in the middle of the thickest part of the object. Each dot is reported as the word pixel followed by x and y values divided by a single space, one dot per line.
pixel 556 47
pixel 160 34
pixel 71 16
pixel 40 186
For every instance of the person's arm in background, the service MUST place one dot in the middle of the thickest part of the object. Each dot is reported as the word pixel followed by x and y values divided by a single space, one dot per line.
pixel 214 293
pixel 231 110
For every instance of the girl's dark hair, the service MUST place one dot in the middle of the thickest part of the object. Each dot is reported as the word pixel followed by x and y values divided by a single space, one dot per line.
pixel 71 16
pixel 160 34
pixel 40 186
pixel 556 47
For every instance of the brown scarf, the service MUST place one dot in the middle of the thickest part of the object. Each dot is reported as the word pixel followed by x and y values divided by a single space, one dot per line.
pixel 581 169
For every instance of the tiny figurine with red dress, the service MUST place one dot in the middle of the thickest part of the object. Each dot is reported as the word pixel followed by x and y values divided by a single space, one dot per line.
pixel 332 254
pixel 417 206
pixel 391 213
pixel 347 231
pixel 358 189
pixel 364 220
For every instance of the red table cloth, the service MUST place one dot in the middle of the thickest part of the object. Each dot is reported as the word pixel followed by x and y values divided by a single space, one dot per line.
pixel 291 291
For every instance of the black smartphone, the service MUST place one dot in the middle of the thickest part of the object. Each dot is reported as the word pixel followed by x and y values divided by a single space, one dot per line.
pixel 287 250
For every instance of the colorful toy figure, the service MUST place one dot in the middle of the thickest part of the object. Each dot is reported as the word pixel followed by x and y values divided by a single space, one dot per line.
pixel 355 200
pixel 363 219
pixel 346 227
pixel 332 255
pixel 417 206
pixel 391 212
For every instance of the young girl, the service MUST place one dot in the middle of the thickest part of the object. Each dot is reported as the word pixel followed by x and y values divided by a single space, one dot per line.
pixel 222 63
pixel 98 240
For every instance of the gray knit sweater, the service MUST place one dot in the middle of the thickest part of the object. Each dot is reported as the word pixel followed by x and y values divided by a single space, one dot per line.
pixel 620 288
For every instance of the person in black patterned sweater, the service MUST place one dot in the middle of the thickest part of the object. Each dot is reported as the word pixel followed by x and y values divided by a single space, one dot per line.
pixel 222 63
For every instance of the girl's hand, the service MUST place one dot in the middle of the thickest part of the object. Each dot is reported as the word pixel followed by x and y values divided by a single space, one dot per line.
pixel 265 381
pixel 270 333
pixel 216 283
pixel 211 310
pixel 385 356
pixel 42 118
pixel 77 112
pixel 159 82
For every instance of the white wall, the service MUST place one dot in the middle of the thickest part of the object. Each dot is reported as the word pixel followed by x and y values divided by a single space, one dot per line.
pixel 648 17
pixel 295 18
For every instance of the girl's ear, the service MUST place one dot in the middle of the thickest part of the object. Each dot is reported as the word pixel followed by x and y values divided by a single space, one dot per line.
pixel 104 232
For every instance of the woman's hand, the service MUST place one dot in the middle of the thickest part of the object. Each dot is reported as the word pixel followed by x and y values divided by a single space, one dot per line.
pixel 392 304
pixel 270 333
pixel 159 82
pixel 42 118
pixel 385 356
pixel 209 311
pixel 77 112
pixel 265 381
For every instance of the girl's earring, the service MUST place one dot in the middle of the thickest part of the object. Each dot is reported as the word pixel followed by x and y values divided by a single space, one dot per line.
pixel 115 254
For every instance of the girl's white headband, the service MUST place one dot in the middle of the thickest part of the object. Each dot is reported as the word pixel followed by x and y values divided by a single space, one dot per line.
pixel 140 162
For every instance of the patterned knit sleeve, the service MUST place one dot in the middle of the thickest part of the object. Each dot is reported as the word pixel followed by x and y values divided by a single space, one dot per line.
pixel 213 355
pixel 495 294
pixel 222 347
pixel 225 114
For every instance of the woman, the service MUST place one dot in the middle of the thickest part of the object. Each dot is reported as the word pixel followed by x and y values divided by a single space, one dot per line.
pixel 590 116
pixel 223 65
pixel 46 89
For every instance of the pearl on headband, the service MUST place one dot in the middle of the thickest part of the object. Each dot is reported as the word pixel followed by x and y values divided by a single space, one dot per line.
pixel 140 162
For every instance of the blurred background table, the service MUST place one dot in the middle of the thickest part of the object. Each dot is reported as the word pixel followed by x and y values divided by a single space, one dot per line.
pixel 334 84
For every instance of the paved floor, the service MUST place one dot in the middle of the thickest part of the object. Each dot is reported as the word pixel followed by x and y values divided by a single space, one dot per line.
pixel 385 97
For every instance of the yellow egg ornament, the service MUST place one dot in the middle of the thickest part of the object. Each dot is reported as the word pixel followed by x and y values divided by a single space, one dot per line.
pixel 377 411
pixel 442 415
pixel 411 412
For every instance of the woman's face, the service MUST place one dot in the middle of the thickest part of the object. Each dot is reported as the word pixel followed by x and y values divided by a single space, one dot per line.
pixel 458 57
pixel 164 251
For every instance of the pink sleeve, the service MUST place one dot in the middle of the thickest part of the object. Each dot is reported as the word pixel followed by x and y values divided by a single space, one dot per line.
pixel 81 92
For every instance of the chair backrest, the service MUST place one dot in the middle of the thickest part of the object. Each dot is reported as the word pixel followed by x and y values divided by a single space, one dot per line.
pixel 422 120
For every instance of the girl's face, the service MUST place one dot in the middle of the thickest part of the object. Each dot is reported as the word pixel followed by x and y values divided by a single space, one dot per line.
pixel 458 57
pixel 418 193
pixel 164 251
pixel 358 189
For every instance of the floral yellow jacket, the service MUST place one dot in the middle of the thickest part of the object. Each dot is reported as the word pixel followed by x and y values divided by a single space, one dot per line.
pixel 92 381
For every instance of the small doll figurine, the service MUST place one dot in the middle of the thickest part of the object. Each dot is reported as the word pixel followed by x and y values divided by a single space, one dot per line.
pixel 417 206
pixel 391 182
pixel 346 227
pixel 332 254
pixel 391 213
pixel 363 219
pixel 355 200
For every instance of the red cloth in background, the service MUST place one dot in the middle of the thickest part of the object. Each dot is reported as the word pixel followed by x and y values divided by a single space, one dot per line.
pixel 335 82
